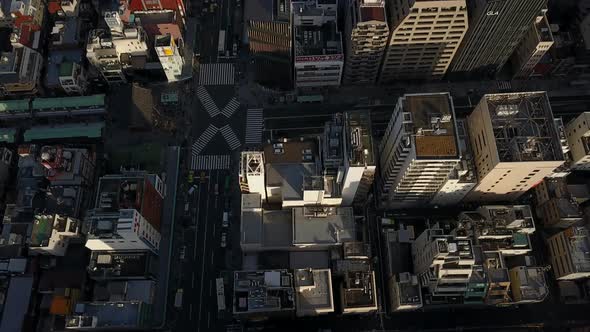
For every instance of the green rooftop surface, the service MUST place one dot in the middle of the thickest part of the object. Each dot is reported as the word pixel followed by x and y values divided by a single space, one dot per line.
pixel 90 130
pixel 7 135
pixel 69 102
pixel 66 68
pixel 42 228
pixel 15 105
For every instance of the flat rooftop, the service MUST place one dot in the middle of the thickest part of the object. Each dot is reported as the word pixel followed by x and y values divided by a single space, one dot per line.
pixel 317 40
pixel 293 152
pixel 123 314
pixel 263 291
pixel 113 265
pixel 324 225
pixel 314 291
pixel 290 177
pixel 433 122
pixel 359 290
pixel 361 139
pixel 372 10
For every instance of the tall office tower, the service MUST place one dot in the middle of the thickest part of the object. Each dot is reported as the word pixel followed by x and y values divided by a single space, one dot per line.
pixel 496 27
pixel 268 29
pixel 317 44
pixel 536 42
pixel 419 150
pixel 366 35
pixel 425 36
pixel 515 144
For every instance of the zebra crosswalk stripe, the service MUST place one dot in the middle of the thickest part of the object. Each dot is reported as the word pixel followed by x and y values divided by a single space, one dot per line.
pixel 217 74
pixel 231 107
pixel 254 124
pixel 204 139
pixel 230 137
pixel 210 162
pixel 207 101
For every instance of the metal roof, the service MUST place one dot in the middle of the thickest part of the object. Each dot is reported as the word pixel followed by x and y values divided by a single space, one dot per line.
pixel 69 102
pixel 7 135
pixel 15 105
pixel 90 130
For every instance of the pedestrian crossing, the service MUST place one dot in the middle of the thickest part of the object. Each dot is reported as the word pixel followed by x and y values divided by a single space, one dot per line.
pixel 231 107
pixel 207 101
pixel 254 124
pixel 504 85
pixel 217 74
pixel 230 137
pixel 204 139
pixel 210 162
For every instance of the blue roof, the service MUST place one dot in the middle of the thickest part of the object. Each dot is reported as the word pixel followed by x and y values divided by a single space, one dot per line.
pixel 16 304
pixel 55 58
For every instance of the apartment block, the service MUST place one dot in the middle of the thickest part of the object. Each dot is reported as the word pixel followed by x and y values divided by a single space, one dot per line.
pixel 51 234
pixel 366 35
pixel 443 264
pixel 578 136
pixel 405 292
pixel 496 28
pixel 419 150
pixel 558 204
pixel 424 38
pixel 534 45
pixel 169 55
pixel 317 43
pixel 568 253
pixel 515 144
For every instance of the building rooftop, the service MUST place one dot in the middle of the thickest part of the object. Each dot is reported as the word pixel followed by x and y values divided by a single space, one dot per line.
pixel 313 40
pixel 523 126
pixel 372 10
pixel 125 290
pixel 55 60
pixel 359 290
pixel 82 130
pixel 263 291
pixel 579 248
pixel 323 225
pixel 290 177
pixel 409 290
pixel 15 302
pixel 277 230
pixel 292 152
pixel 360 139
pixel 533 285
pixel 121 265
pixel 314 291
pixel 112 315
pixel 432 119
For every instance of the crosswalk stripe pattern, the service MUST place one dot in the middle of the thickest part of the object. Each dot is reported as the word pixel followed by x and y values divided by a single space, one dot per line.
pixel 231 107
pixel 207 101
pixel 204 139
pixel 216 74
pixel 254 123
pixel 210 162
pixel 230 137
pixel 504 85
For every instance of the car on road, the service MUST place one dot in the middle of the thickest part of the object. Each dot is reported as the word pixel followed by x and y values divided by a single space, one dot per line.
pixel 225 219
pixel 203 177
pixel 191 176
pixel 182 252
pixel 191 190
pixel 223 239
pixel 178 298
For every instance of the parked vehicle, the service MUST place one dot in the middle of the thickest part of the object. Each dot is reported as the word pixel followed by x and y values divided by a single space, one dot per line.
pixel 191 190
pixel 191 176
pixel 225 219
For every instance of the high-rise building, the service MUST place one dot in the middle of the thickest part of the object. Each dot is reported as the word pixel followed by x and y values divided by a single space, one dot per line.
pixel 169 56
pixel 568 253
pixel 535 43
pixel 496 27
pixel 578 136
pixel 515 144
pixel 268 27
pixel 252 173
pixel 359 161
pixel 366 34
pixel 424 38
pixel 317 44
pixel 419 150
pixel 558 204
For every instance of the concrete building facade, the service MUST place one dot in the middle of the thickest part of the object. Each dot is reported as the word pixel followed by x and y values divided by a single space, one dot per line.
pixel 515 144
pixel 568 253
pixel 424 38
pixel 419 150
pixel 366 34
pixel 534 45
pixel 578 136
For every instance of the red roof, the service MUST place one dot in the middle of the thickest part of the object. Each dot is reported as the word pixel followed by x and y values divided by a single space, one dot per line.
pixel 163 29
pixel 141 5
pixel 54 7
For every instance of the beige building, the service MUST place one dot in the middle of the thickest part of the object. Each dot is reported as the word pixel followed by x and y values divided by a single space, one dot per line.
pixel 536 42
pixel 578 136
pixel 313 288
pixel 568 253
pixel 558 204
pixel 515 144
pixel 528 284
pixel 366 35
pixel 425 37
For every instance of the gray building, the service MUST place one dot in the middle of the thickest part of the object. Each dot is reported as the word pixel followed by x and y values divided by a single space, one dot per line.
pixel 496 27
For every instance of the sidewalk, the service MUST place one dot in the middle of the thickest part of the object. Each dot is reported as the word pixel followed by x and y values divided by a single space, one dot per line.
pixel 172 159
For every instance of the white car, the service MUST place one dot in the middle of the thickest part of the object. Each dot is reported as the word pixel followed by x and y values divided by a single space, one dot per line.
pixel 223 239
